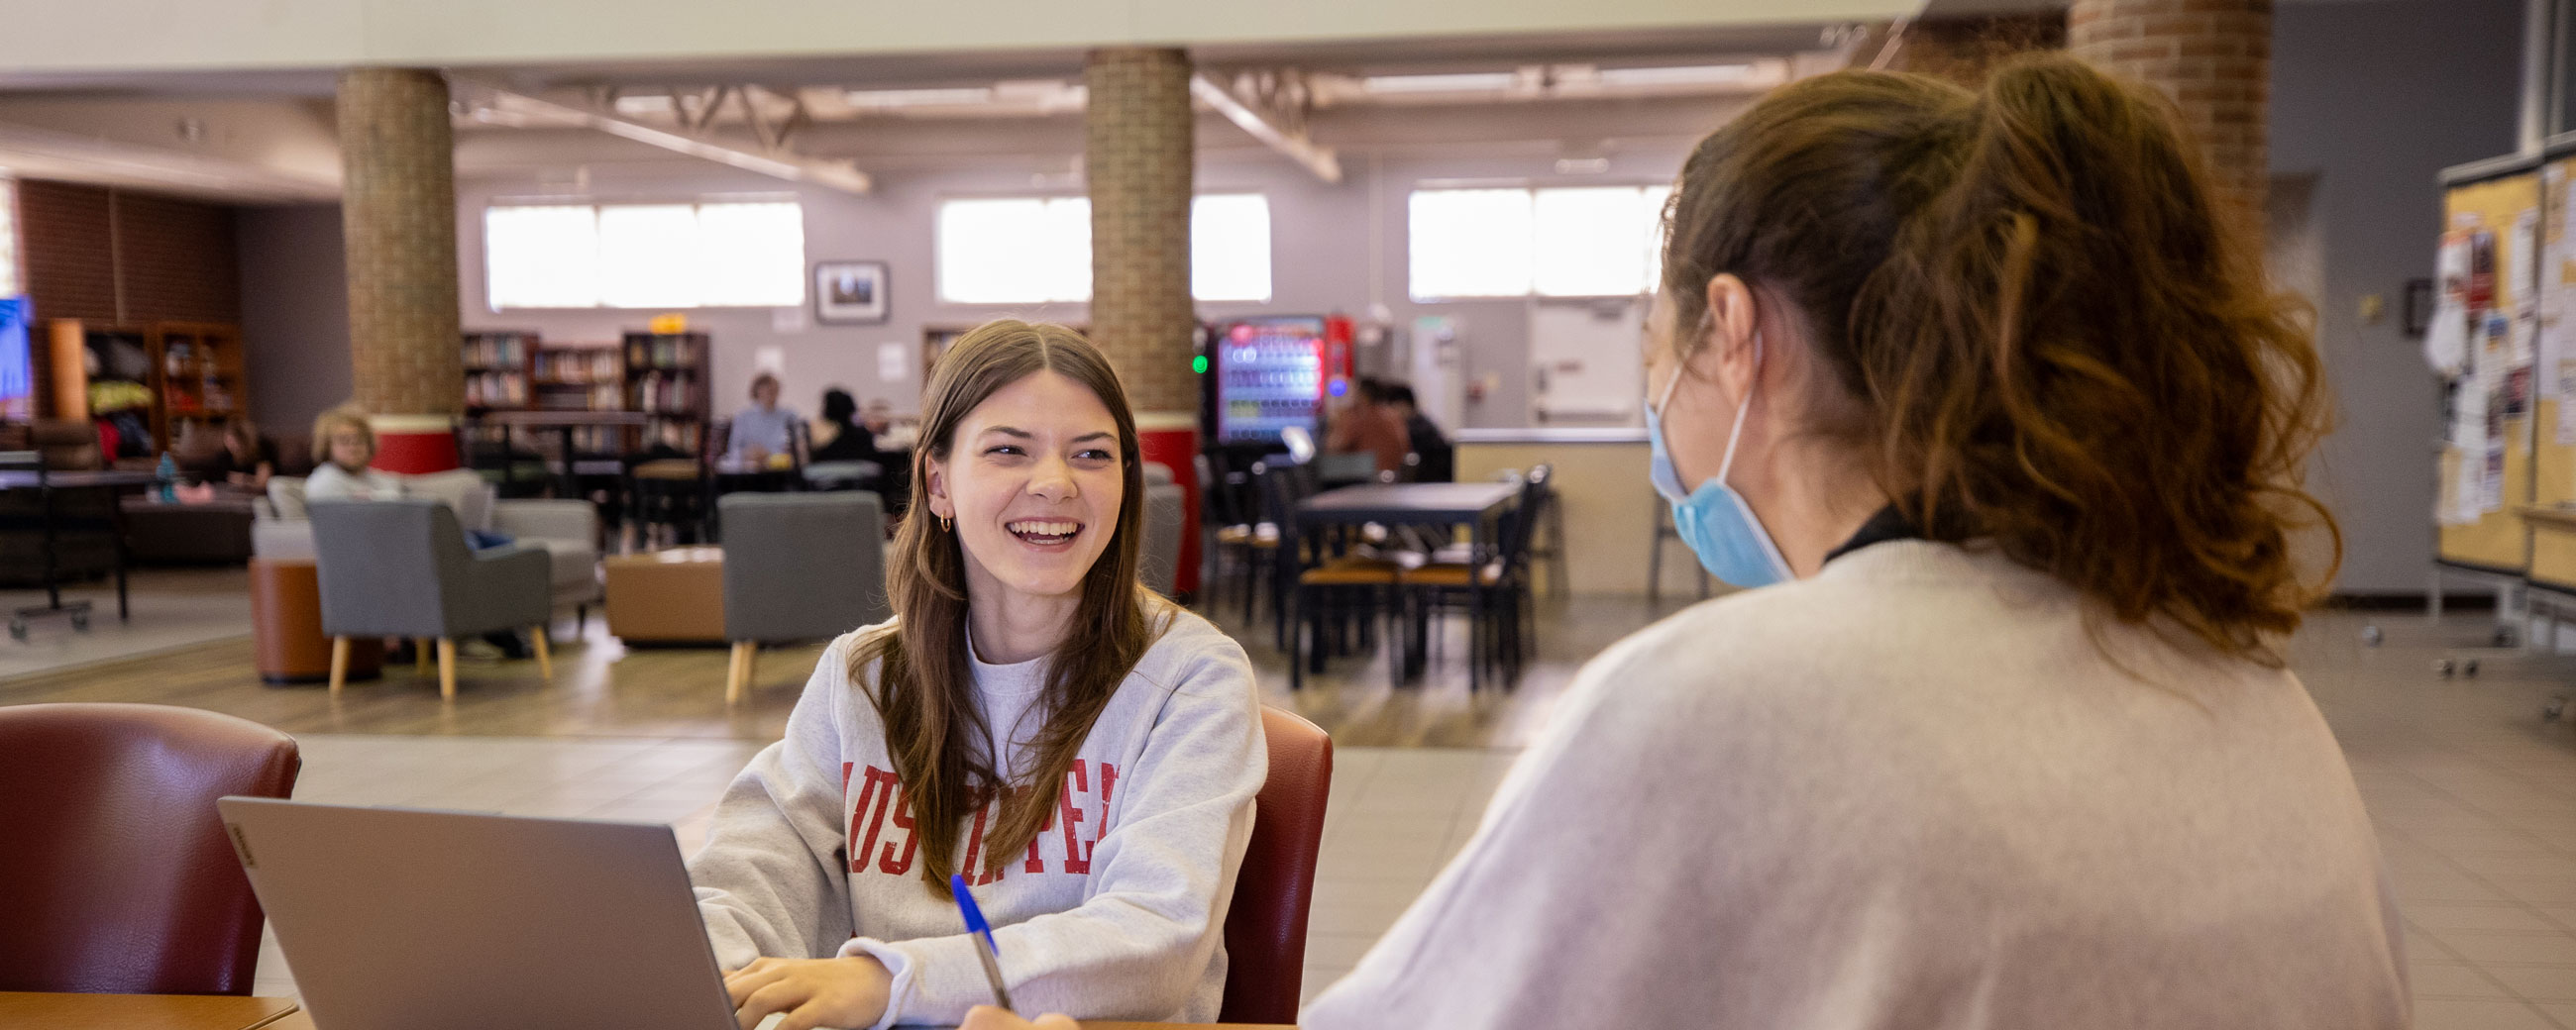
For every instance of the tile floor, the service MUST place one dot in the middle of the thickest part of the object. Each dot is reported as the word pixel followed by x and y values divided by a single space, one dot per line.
pixel 2473 790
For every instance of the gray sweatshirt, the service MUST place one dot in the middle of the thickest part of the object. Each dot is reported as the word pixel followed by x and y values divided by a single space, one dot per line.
pixel 1909 792
pixel 1118 909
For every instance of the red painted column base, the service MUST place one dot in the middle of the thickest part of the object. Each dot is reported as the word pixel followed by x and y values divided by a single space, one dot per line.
pixel 414 444
pixel 1172 438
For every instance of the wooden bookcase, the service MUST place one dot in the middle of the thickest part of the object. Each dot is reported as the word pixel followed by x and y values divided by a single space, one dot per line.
pixel 668 377
pixel 514 370
pixel 173 374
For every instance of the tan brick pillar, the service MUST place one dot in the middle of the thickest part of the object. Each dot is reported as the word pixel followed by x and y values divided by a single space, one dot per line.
pixel 1137 157
pixel 398 216
pixel 1963 50
pixel 2213 57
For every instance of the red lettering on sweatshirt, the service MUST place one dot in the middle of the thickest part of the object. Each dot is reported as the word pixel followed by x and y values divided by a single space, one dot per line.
pixel 893 864
pixel 1077 860
pixel 882 800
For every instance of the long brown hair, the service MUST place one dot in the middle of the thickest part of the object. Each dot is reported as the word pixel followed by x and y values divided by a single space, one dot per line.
pixel 2061 340
pixel 924 689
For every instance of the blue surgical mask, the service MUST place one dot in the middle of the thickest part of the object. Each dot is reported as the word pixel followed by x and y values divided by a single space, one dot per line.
pixel 1713 520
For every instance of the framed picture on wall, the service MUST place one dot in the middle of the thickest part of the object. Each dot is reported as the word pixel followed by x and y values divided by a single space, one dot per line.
pixel 850 292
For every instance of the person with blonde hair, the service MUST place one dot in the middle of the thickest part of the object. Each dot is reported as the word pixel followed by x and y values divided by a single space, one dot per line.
pixel 1082 753
pixel 1986 402
pixel 344 442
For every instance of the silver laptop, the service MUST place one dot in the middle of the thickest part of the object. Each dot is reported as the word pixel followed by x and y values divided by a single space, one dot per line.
pixel 401 919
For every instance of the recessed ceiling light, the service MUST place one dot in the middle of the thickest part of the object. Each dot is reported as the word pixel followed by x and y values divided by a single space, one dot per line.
pixel 1678 75
pixel 920 97
pixel 1458 82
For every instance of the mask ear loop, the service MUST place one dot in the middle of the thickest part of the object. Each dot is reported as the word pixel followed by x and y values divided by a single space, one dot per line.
pixel 1736 435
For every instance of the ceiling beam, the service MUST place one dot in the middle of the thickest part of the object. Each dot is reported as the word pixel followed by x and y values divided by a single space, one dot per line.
pixel 598 113
pixel 1279 125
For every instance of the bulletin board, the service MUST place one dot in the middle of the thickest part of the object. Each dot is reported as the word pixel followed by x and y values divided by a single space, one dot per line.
pixel 2485 340
pixel 2553 548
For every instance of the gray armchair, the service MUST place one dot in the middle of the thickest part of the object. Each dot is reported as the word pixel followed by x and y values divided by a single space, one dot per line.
pixel 401 569
pixel 1159 554
pixel 798 567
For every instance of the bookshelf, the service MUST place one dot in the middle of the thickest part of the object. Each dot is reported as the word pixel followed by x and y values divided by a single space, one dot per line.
pixel 667 378
pixel 159 377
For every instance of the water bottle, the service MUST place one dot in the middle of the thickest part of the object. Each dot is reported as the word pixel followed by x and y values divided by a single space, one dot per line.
pixel 168 477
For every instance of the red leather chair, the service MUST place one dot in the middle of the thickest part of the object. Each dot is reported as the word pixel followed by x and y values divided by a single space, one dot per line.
pixel 1265 930
pixel 118 877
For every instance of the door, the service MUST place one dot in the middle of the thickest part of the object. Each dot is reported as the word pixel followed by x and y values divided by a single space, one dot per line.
pixel 1584 362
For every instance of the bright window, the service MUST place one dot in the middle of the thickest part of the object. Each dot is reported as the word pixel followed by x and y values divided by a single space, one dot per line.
pixel 1014 250
pixel 645 255
pixel 1230 247
pixel 1469 243
pixel 1591 241
pixel 1037 250
pixel 8 237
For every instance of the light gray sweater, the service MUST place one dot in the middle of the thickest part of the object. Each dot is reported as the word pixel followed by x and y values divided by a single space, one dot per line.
pixel 1909 792
pixel 1118 909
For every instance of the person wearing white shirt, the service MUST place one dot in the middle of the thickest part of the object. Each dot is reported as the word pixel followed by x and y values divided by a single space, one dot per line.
pixel 1986 402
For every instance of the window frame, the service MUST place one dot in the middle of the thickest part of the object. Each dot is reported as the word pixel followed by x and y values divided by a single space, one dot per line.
pixel 939 249
pixel 804 292
pixel 1532 189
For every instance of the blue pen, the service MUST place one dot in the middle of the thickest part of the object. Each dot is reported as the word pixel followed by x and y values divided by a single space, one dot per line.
pixel 990 953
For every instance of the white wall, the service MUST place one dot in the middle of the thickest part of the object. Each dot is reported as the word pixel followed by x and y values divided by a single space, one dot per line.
pixel 2374 98
pixel 1334 247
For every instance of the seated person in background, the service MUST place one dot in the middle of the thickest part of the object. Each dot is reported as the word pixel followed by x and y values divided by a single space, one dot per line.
pixel 247 458
pixel 1082 752
pixel 763 429
pixel 1439 460
pixel 343 444
pixel 1368 425
pixel 848 440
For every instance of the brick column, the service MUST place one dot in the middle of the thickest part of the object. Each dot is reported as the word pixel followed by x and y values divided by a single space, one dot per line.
pixel 1963 50
pixel 1137 156
pixel 2213 57
pixel 398 216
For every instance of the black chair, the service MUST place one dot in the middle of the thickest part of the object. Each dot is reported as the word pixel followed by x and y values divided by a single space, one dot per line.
pixel 1239 544
pixel 1491 589
pixel 1329 600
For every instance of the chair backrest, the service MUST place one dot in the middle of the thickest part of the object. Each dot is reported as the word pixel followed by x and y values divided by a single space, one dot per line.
pixel 1278 488
pixel 1520 525
pixel 286 498
pixel 802 566
pixel 386 568
pixel 119 877
pixel 1159 558
pixel 1265 929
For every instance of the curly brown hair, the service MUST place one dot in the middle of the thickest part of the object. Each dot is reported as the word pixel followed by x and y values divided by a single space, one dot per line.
pixel 2061 339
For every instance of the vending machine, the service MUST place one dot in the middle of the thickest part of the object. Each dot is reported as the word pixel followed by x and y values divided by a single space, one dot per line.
pixel 1267 374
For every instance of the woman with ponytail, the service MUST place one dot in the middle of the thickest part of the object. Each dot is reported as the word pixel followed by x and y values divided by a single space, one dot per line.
pixel 1081 752
pixel 1986 400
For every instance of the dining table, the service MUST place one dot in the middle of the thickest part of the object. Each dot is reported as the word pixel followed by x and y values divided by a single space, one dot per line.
pixel 1478 506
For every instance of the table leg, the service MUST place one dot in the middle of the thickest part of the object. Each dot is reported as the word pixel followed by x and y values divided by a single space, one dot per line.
pixel 45 517
pixel 116 530
pixel 571 483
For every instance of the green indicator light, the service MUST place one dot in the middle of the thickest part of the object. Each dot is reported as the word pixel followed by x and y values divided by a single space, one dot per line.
pixel 1199 364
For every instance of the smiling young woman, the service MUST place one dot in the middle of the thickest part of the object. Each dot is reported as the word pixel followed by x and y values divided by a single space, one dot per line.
pixel 1082 752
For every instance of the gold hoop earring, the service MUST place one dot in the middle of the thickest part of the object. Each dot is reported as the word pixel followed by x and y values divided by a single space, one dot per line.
pixel 944 524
